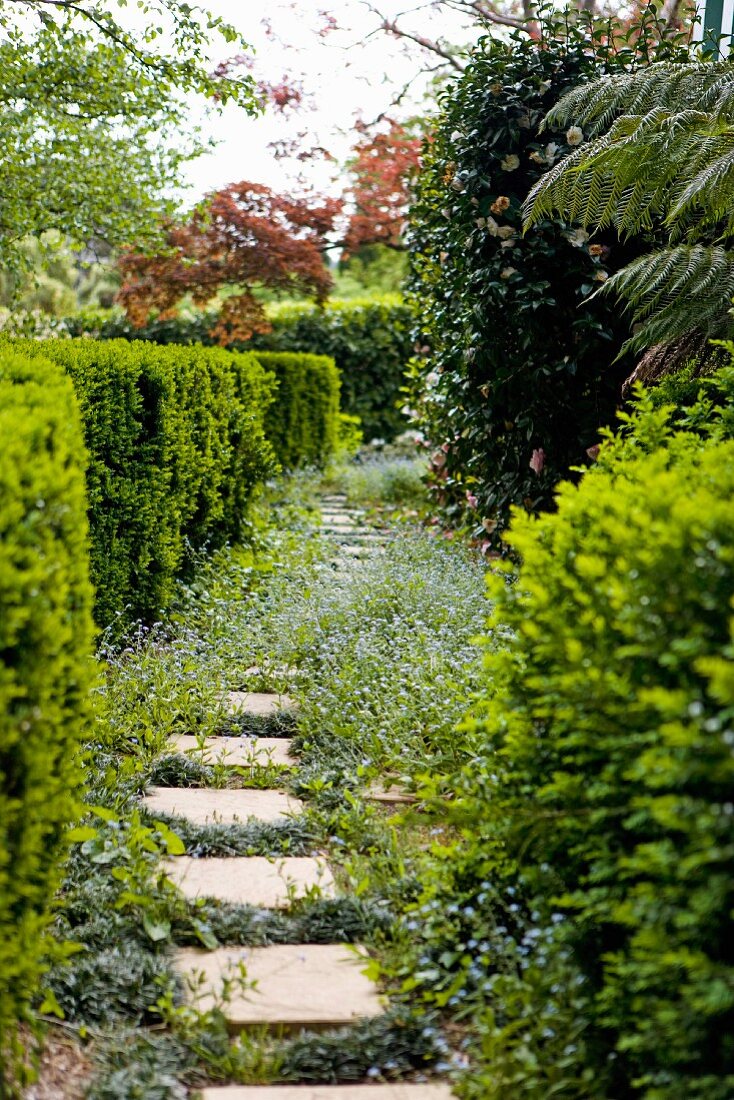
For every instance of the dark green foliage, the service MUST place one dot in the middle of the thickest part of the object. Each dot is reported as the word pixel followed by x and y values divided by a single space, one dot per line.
pixel 390 1046
pixel 176 444
pixel 290 837
pixel 45 660
pixel 369 340
pixel 515 362
pixel 598 805
pixel 302 423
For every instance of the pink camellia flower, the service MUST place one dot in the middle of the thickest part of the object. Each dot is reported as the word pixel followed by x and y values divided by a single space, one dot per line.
pixel 471 500
pixel 537 462
pixel 593 452
pixel 438 459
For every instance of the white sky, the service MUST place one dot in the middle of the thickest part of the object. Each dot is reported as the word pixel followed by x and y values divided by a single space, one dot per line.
pixel 345 76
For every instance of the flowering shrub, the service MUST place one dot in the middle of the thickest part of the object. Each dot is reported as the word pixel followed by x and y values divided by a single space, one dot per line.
pixel 515 373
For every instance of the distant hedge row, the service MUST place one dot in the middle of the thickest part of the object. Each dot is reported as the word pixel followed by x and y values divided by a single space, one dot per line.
pixel 177 440
pixel 369 340
pixel 46 636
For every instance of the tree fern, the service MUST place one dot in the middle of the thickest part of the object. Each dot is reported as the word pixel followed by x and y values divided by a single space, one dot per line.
pixel 659 157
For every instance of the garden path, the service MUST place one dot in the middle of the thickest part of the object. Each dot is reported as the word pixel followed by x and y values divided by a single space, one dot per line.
pixel 283 987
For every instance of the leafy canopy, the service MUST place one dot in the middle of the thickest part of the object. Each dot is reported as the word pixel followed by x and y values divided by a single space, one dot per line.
pixel 659 158
pixel 91 113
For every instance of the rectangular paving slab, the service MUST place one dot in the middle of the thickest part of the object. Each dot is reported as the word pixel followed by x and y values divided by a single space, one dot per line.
pixel 236 751
pixel 402 1091
pixel 261 703
pixel 295 985
pixel 202 805
pixel 251 880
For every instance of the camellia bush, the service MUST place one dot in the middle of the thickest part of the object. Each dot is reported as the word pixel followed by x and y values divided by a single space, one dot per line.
pixel 516 371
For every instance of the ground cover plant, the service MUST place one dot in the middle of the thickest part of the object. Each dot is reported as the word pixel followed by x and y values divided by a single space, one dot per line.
pixel 46 674
pixel 517 365
pixel 274 605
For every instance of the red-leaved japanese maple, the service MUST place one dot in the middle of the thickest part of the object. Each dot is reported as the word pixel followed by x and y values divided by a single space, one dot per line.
pixel 243 237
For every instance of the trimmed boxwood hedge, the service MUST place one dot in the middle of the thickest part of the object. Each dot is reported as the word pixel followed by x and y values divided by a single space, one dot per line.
pixel 302 423
pixel 369 339
pixel 46 642
pixel 176 443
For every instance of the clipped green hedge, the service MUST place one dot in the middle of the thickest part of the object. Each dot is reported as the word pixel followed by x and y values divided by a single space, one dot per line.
pixel 46 642
pixel 597 875
pixel 176 443
pixel 302 423
pixel 370 342
pixel 368 339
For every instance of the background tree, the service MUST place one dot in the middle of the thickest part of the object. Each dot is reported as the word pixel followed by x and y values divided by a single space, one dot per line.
pixel 92 111
pixel 240 240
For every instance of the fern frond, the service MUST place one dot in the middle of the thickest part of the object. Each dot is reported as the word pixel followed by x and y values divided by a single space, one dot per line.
pixel 672 292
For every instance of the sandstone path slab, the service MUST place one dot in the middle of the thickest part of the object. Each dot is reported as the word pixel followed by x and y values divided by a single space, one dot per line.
pixel 237 751
pixel 295 985
pixel 250 880
pixel 203 806
pixel 261 703
pixel 402 1091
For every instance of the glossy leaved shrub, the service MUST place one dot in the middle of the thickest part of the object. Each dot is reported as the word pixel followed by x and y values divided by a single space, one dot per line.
pixel 302 423
pixel 176 445
pixel 585 920
pixel 369 339
pixel 46 642
pixel 516 371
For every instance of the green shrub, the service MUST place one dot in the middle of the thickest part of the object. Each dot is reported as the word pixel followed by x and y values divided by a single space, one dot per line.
pixel 45 662
pixel 599 862
pixel 516 373
pixel 369 340
pixel 302 423
pixel 176 443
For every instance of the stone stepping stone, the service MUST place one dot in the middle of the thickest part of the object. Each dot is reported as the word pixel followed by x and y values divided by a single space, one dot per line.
pixel 251 880
pixel 338 521
pixel 401 1091
pixel 391 796
pixel 253 752
pixel 260 703
pixel 203 805
pixel 295 985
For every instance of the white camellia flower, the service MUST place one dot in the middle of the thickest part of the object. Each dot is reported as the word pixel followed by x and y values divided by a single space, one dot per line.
pixel 510 162
pixel 504 232
pixel 574 135
pixel 550 152
pixel 577 238
pixel 432 378
pixel 492 227
pixel 456 135
pixel 481 222
pixel 506 272
pixel 544 86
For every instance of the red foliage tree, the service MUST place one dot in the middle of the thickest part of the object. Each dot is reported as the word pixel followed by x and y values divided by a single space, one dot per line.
pixel 382 168
pixel 245 237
